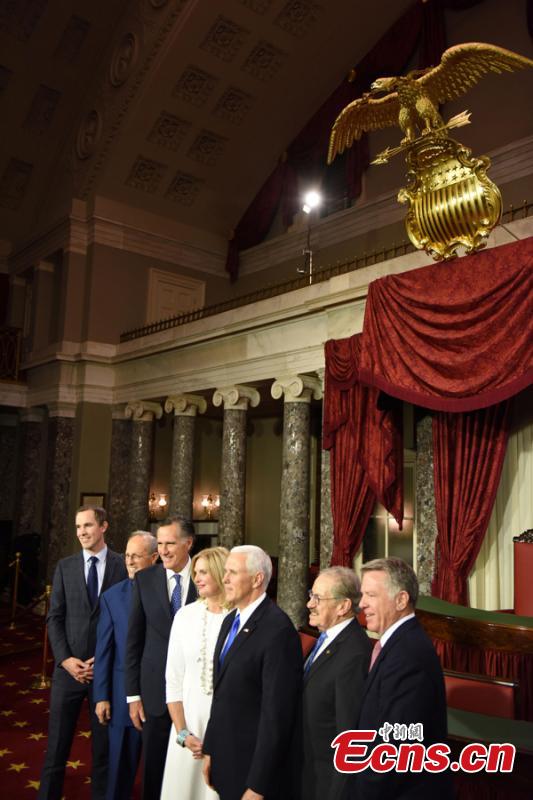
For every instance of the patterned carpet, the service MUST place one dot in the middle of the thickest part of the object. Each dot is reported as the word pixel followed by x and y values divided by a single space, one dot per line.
pixel 24 720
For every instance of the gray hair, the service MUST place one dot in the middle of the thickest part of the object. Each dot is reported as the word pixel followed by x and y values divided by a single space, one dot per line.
pixel 149 540
pixel 346 584
pixel 256 560
pixel 402 577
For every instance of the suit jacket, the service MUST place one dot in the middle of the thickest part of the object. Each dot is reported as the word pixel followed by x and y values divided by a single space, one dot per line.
pixel 332 694
pixel 405 685
pixel 111 636
pixel 255 699
pixel 149 627
pixel 71 621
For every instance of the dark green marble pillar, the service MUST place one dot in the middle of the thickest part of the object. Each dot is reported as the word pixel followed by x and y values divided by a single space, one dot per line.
pixel 185 407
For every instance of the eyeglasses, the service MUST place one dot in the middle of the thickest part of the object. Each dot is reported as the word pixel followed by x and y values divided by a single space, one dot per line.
pixel 133 557
pixel 316 598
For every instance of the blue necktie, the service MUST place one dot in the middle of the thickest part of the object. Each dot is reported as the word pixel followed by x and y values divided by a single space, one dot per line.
pixel 314 651
pixel 175 600
pixel 92 582
pixel 231 637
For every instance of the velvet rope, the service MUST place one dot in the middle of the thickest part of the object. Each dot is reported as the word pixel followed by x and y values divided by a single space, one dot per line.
pixel 453 337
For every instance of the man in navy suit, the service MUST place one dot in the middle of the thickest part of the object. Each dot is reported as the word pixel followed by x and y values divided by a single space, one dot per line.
pixel 157 594
pixel 74 608
pixel 257 684
pixel 405 684
pixel 108 687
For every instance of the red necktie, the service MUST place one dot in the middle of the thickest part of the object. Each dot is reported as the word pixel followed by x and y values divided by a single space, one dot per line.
pixel 375 653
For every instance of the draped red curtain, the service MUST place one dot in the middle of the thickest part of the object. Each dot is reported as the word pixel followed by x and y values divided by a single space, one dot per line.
pixel 364 437
pixel 453 337
pixel 456 338
pixel 468 453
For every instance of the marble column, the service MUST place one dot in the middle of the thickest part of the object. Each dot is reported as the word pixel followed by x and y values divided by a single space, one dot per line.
pixel 29 483
pixel 185 407
pixel 236 400
pixel 8 460
pixel 326 517
pixel 118 491
pixel 142 414
pixel 58 525
pixel 293 560
pixel 426 521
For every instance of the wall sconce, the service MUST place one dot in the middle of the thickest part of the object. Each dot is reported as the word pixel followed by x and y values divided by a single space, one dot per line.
pixel 210 504
pixel 157 506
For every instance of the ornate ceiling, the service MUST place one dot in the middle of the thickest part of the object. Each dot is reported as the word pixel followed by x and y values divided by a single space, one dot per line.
pixel 179 108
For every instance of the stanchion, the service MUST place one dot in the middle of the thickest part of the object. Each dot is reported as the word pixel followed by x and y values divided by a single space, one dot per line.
pixel 16 564
pixel 43 682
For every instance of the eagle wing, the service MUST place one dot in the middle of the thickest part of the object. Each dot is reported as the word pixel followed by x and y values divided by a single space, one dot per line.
pixel 363 114
pixel 463 65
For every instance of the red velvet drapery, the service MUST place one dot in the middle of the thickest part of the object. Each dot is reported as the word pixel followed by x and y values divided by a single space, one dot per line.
pixel 456 338
pixel 453 337
pixel 366 449
pixel 468 453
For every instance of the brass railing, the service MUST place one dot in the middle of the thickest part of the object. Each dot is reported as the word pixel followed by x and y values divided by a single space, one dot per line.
pixel 10 341
pixel 319 275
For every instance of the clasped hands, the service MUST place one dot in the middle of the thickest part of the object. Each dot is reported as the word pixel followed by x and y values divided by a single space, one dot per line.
pixel 81 671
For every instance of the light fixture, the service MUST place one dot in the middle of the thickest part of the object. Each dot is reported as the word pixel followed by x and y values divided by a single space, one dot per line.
pixel 312 199
pixel 157 506
pixel 210 504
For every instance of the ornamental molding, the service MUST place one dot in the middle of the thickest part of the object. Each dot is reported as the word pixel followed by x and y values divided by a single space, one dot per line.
pixel 297 389
pixel 143 411
pixel 186 405
pixel 236 397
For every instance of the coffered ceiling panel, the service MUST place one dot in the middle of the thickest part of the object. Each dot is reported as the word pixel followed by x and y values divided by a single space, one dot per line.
pixel 177 107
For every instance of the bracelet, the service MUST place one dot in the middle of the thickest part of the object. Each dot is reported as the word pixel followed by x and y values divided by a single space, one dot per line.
pixel 182 735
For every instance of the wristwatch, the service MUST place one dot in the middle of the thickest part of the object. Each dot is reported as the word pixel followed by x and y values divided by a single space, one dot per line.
pixel 182 735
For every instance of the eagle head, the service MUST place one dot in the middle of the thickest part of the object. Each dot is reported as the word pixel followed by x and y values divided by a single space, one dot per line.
pixel 383 85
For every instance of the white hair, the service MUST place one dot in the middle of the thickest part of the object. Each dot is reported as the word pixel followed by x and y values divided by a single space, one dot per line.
pixel 256 560
pixel 150 541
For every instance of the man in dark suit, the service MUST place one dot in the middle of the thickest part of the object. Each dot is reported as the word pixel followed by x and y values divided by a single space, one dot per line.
pixel 334 675
pixel 72 619
pixel 108 687
pixel 157 594
pixel 257 684
pixel 405 684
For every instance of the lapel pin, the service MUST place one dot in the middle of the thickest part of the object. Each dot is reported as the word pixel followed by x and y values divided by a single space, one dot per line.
pixel 246 630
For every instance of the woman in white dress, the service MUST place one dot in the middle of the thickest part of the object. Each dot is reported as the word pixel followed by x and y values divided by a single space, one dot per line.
pixel 189 678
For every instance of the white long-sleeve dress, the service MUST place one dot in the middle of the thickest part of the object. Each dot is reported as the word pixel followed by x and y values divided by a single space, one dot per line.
pixel 189 679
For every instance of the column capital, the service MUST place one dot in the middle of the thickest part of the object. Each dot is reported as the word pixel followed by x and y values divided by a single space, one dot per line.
pixel 185 405
pixel 60 408
pixel 297 388
pixel 143 410
pixel 33 414
pixel 236 397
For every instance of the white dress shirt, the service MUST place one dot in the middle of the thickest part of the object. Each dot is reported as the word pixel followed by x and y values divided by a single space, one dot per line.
pixel 100 565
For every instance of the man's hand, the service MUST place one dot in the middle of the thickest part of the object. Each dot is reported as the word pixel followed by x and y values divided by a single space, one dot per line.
pixel 206 770
pixel 137 715
pixel 103 711
pixel 251 795
pixel 76 668
pixel 89 669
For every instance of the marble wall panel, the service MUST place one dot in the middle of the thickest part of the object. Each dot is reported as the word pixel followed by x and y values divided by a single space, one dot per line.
pixel 118 493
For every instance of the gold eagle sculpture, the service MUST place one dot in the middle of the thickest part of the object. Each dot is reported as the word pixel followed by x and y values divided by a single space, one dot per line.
pixel 451 201
pixel 412 101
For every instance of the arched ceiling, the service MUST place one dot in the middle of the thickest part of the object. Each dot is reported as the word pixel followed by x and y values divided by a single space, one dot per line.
pixel 179 108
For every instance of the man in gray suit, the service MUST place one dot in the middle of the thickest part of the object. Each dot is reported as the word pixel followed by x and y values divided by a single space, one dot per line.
pixel 72 619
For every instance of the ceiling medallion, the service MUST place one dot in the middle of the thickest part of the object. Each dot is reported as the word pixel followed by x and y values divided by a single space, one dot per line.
pixel 89 134
pixel 124 59
pixel 451 201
